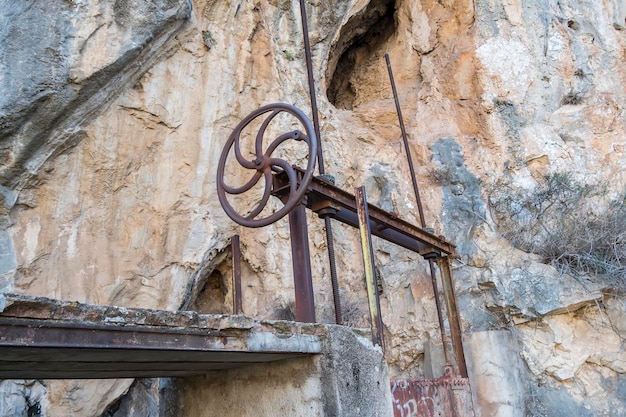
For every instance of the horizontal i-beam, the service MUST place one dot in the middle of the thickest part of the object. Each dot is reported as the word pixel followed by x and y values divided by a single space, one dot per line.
pixel 328 200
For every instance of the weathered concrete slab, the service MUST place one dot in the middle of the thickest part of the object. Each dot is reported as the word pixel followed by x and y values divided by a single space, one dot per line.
pixel 42 338
pixel 237 365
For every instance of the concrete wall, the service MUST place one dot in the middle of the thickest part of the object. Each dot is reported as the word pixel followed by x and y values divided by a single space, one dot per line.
pixel 349 380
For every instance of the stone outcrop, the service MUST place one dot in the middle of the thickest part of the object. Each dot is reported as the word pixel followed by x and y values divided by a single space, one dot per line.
pixel 115 113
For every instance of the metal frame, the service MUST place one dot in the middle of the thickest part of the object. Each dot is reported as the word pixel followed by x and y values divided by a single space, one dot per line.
pixel 299 189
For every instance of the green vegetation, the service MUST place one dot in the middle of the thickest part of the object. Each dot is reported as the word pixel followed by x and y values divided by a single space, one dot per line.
pixel 288 55
pixel 208 39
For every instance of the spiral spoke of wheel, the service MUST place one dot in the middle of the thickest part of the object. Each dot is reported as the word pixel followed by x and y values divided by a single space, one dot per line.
pixel 258 143
pixel 296 134
pixel 236 135
pixel 247 186
pixel 266 195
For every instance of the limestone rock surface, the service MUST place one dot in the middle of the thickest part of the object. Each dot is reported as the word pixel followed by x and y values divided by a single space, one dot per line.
pixel 113 116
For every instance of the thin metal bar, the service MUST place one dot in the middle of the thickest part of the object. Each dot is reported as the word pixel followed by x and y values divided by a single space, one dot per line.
pixel 235 246
pixel 418 200
pixel 453 314
pixel 309 69
pixel 333 270
pixel 301 261
pixel 370 270
pixel 442 329
pixel 320 160
pixel 406 144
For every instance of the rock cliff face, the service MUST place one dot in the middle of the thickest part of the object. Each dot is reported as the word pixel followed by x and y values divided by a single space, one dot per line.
pixel 114 115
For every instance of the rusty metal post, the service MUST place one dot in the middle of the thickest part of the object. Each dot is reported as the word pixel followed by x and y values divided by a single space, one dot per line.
pixel 320 161
pixel 433 280
pixel 453 314
pixel 301 261
pixel 235 247
pixel 370 270
pixel 420 209
pixel 406 143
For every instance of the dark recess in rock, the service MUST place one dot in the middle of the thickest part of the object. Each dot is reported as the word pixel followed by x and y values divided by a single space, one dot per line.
pixel 138 401
pixel 360 38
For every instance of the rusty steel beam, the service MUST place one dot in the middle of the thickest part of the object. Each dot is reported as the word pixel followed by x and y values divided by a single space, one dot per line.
pixel 235 246
pixel 453 315
pixel 311 80
pixel 371 280
pixel 30 332
pixel 44 349
pixel 301 260
pixel 405 141
pixel 327 200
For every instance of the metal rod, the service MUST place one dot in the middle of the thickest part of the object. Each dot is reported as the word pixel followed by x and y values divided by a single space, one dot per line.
pixel 333 270
pixel 309 69
pixel 418 200
pixel 236 254
pixel 320 160
pixel 301 261
pixel 442 329
pixel 406 144
pixel 453 314
pixel 370 269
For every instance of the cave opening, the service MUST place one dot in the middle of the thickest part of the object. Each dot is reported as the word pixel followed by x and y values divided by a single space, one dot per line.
pixel 361 43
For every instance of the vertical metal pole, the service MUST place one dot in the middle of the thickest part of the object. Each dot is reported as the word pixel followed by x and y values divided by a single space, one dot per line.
pixel 406 143
pixel 442 329
pixel 418 200
pixel 370 270
pixel 453 314
pixel 309 69
pixel 320 160
pixel 333 270
pixel 236 254
pixel 301 261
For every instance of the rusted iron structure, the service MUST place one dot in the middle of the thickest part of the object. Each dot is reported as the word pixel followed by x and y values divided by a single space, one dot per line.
pixel 300 189
pixel 52 339
pixel 445 396
pixel 418 200
pixel 236 254
pixel 330 244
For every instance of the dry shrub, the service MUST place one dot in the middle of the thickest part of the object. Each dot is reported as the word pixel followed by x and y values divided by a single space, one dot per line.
pixel 573 226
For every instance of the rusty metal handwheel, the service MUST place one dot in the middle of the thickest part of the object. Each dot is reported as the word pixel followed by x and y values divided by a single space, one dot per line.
pixel 264 164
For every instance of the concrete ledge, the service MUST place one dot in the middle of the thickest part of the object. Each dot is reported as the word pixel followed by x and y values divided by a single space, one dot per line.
pixel 350 379
pixel 237 365
pixel 41 338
